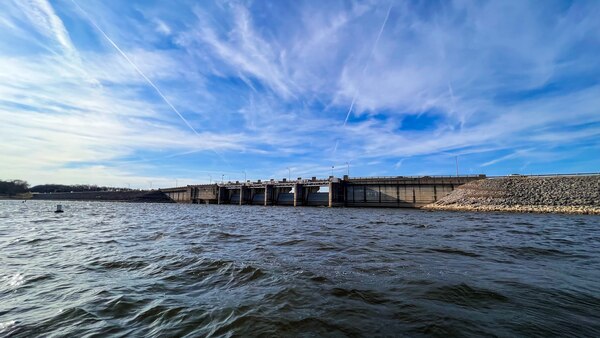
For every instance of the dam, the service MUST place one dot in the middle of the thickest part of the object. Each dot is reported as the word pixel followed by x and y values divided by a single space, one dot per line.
pixel 388 191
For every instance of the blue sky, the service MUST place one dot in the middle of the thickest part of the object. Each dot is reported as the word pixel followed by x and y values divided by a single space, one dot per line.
pixel 149 92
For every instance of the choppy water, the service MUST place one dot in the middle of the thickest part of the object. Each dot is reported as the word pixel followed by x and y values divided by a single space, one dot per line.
pixel 195 270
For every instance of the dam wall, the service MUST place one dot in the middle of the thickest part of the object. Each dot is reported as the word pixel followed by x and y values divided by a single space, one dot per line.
pixel 390 191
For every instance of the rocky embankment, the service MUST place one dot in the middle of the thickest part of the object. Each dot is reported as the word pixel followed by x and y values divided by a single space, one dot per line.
pixel 556 194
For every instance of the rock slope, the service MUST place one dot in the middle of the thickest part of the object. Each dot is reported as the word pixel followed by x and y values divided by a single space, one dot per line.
pixel 561 194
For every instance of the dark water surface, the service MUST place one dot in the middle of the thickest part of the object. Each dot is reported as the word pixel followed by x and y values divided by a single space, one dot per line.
pixel 195 270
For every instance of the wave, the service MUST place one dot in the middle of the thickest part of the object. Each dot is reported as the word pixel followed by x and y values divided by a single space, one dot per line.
pixel 290 242
pixel 466 295
pixel 367 296
pixel 453 251
pixel 7 327
pixel 102 265
pixel 534 252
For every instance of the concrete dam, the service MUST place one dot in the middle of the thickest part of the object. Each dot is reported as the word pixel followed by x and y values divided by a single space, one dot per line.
pixel 391 191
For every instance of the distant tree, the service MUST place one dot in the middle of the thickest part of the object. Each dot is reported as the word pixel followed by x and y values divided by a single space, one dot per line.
pixel 46 188
pixel 50 188
pixel 13 187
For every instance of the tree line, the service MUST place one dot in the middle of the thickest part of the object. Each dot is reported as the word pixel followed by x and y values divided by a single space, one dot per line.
pixel 14 187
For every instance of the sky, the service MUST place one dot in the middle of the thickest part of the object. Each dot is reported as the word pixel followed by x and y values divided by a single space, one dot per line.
pixel 163 93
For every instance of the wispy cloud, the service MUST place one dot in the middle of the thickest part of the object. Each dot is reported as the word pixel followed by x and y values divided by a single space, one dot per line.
pixel 507 157
pixel 364 71
pixel 138 70
pixel 42 15
pixel 242 49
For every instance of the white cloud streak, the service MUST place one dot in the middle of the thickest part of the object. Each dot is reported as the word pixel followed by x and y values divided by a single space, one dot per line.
pixel 364 71
pixel 137 69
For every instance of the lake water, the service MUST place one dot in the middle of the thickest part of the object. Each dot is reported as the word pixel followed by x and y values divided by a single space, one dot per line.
pixel 197 270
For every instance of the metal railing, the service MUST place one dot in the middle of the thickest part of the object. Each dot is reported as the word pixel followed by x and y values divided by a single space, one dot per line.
pixel 544 175
pixel 413 177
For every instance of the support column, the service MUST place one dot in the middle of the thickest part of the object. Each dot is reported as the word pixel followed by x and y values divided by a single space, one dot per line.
pixel 251 192
pixel 335 191
pixel 268 194
pixel 298 194
pixel 243 191
pixel 221 195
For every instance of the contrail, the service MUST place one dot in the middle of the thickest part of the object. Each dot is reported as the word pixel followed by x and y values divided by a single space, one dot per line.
pixel 387 15
pixel 139 71
pixel 451 92
pixel 369 60
pixel 350 110
pixel 364 71
pixel 337 142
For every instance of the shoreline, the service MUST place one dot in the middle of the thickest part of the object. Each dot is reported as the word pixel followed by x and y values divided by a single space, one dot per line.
pixel 524 209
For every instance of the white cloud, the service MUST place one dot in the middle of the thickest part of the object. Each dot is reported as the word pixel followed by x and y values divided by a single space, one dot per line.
pixel 243 49
pixel 41 14
pixel 162 27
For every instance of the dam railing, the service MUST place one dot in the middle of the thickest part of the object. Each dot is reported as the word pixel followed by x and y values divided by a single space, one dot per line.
pixel 543 175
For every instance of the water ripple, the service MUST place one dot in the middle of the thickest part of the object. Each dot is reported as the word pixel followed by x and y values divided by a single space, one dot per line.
pixel 111 269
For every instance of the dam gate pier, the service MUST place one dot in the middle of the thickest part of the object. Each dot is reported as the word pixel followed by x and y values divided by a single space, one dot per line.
pixel 389 191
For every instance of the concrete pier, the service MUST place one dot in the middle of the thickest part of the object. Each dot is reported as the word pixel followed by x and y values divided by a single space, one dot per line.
pixel 268 194
pixel 298 195
pixel 391 191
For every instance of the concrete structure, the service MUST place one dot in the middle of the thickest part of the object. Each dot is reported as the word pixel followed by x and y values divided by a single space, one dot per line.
pixel 121 196
pixel 397 191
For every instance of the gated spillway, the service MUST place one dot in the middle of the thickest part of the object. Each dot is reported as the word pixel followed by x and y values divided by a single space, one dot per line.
pixel 396 191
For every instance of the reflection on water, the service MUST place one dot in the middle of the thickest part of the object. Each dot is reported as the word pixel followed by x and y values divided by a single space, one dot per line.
pixel 176 270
